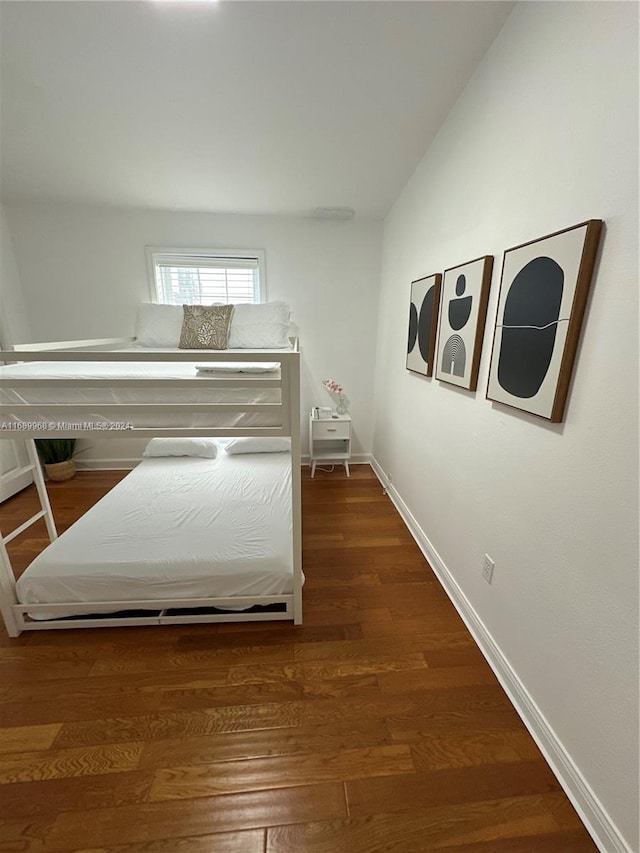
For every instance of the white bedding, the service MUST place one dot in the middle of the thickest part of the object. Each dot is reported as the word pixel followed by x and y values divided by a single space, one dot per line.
pixel 172 371
pixel 175 528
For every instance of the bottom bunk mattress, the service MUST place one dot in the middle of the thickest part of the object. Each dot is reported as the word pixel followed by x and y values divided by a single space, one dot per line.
pixel 174 528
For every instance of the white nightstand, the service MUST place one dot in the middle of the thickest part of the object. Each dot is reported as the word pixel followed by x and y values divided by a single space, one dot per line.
pixel 330 441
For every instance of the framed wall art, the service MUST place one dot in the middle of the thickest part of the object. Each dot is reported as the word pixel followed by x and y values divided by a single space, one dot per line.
pixel 543 293
pixel 423 322
pixel 465 294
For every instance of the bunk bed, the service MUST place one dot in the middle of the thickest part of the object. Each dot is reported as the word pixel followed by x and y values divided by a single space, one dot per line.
pixel 112 388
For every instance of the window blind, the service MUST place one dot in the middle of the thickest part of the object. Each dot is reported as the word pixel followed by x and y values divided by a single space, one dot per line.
pixel 204 280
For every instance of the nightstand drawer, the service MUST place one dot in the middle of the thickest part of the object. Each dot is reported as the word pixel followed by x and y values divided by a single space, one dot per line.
pixel 331 429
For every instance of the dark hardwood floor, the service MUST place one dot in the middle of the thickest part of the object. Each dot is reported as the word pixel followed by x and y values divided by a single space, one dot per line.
pixel 375 726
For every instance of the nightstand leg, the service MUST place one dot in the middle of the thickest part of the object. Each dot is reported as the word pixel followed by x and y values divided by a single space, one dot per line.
pixel 313 468
pixel 346 468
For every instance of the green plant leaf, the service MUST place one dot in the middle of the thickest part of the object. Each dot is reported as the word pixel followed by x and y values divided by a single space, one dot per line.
pixel 53 450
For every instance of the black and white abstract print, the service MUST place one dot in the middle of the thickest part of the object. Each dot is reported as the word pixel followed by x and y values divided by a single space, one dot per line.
pixel 423 318
pixel 465 291
pixel 542 296
pixel 529 326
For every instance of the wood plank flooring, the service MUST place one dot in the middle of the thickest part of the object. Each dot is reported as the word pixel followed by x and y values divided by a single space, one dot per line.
pixel 375 726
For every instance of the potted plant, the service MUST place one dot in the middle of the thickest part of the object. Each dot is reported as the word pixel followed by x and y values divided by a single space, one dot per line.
pixel 57 457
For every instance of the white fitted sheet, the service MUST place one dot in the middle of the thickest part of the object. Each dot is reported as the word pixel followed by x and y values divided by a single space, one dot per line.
pixel 175 528
pixel 172 371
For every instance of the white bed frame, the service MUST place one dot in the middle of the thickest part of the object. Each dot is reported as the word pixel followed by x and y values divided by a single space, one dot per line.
pixel 288 416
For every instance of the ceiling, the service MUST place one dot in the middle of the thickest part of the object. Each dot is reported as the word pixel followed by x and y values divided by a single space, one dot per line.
pixel 246 107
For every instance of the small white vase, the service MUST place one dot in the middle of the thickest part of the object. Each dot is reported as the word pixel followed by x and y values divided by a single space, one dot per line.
pixel 341 409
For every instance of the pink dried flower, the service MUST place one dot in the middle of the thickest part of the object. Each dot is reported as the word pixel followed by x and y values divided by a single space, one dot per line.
pixel 332 385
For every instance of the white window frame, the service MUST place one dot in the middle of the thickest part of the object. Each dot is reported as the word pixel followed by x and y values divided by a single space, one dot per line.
pixel 156 253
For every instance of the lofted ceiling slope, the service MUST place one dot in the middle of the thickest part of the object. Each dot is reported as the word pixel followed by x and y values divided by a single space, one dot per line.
pixel 247 107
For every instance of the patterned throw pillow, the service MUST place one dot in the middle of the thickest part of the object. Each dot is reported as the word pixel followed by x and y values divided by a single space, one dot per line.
pixel 205 326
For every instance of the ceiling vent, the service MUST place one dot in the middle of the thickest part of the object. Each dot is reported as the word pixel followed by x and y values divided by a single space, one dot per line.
pixel 342 213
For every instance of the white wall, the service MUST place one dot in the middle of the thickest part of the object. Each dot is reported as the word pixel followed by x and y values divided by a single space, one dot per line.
pixel 14 327
pixel 83 272
pixel 545 136
pixel 14 324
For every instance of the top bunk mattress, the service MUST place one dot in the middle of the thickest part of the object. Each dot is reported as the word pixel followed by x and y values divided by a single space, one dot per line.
pixel 247 384
pixel 175 528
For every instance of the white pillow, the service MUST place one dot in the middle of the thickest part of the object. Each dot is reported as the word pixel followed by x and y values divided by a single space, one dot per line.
pixel 238 367
pixel 206 447
pixel 262 326
pixel 158 325
pixel 259 444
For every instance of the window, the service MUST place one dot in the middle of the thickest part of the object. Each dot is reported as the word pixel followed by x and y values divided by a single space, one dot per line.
pixel 205 276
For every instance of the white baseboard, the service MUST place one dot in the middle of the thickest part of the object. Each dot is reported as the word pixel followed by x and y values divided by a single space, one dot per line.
pixel 356 459
pixel 595 817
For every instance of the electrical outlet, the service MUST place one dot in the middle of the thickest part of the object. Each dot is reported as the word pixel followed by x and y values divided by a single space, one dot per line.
pixel 390 478
pixel 487 568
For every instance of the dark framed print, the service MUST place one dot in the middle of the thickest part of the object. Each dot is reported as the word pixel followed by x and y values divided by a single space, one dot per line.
pixel 465 294
pixel 543 293
pixel 423 322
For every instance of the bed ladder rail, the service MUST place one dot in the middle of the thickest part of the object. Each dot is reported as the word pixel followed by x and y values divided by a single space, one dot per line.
pixel 8 597
pixel 45 507
pixel 18 530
